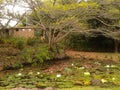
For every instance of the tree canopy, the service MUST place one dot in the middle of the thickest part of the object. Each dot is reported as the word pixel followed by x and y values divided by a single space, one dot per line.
pixel 58 18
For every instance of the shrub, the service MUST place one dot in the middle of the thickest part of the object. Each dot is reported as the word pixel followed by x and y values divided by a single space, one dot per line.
pixel 2 41
pixel 18 42
pixel 42 53
pixel 6 40
pixel 33 41
pixel 83 43
pixel 38 33
pixel 36 55
pixel 17 65
pixel 27 54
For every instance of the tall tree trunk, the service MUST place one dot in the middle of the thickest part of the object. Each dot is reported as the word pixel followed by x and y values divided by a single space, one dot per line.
pixel 116 45
pixel 50 38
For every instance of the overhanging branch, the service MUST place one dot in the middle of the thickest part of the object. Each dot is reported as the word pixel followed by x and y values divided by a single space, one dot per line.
pixel 106 23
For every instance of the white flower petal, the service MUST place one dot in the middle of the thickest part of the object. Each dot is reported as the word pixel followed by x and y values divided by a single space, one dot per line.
pixel 58 75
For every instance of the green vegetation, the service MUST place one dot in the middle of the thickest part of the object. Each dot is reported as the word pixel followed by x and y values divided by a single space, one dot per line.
pixel 77 75
pixel 91 88
pixel 23 51
pixel 61 25
pixel 33 41
pixel 80 42
pixel 34 79
pixel 16 42
pixel 97 20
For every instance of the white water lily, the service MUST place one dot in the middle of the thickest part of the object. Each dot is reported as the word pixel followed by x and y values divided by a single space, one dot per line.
pixel 104 80
pixel 38 73
pixel 87 73
pixel 107 66
pixel 72 64
pixel 19 74
pixel 58 75
pixel 113 78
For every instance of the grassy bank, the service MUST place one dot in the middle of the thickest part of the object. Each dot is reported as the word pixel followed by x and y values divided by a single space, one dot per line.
pixel 91 88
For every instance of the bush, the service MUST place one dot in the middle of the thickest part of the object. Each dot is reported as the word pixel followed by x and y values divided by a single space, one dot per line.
pixel 27 54
pixel 82 43
pixel 33 41
pixel 17 65
pixel 2 40
pixel 17 42
pixel 36 55
pixel 38 33
pixel 78 42
pixel 6 40
pixel 42 53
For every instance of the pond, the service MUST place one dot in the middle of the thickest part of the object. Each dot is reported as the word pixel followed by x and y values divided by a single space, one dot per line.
pixel 69 74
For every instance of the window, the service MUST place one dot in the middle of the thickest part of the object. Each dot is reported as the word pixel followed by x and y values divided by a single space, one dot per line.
pixel 7 30
pixel 17 29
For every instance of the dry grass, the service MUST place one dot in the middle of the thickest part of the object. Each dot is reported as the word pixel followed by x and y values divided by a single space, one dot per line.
pixel 94 55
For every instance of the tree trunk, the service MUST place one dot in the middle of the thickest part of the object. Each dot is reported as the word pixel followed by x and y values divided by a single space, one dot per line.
pixel 116 45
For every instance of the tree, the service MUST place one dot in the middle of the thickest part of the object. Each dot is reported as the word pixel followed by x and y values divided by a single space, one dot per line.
pixel 56 21
pixel 108 17
pixel 8 15
pixel 63 2
pixel 58 18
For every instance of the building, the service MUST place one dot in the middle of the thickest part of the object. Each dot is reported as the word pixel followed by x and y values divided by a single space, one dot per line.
pixel 25 32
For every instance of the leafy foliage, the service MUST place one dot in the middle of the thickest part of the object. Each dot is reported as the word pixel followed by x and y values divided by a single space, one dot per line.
pixel 42 54
pixel 34 80
pixel 14 41
pixel 90 42
pixel 18 43
pixel 33 41
pixel 27 54
pixel 36 55
pixel 77 74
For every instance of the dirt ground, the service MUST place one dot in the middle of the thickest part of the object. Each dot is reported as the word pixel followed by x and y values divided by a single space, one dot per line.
pixel 94 55
pixel 86 58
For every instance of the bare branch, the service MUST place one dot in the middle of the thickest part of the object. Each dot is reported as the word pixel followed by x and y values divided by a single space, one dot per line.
pixel 106 23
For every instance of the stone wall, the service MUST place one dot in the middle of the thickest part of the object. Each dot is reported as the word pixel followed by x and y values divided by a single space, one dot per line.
pixel 22 32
